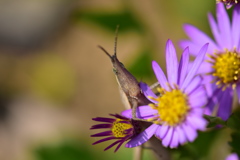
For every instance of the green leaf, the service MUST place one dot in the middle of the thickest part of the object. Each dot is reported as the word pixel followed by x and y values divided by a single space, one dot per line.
pixel 108 20
pixel 233 121
pixel 214 121
pixel 235 142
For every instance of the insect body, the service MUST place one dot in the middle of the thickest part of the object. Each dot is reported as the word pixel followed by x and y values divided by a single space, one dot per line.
pixel 127 82
pixel 129 86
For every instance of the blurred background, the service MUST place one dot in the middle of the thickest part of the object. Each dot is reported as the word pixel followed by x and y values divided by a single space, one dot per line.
pixel 54 79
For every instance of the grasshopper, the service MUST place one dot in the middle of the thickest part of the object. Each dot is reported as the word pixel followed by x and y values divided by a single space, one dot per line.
pixel 129 87
pixel 127 82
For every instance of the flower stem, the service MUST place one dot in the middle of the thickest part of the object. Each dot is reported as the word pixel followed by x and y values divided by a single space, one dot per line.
pixel 138 152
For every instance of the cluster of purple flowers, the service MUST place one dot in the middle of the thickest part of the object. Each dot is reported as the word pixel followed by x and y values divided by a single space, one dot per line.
pixel 189 90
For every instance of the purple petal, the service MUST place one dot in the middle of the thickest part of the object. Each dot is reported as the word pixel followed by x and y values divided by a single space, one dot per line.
pixel 103 119
pixel 160 75
pixel 168 138
pixel 145 112
pixel 198 98
pixel 193 85
pixel 119 116
pixel 123 121
pixel 210 87
pixel 142 137
pixel 190 133
pixel 147 91
pixel 199 38
pixel 181 135
pixel 158 131
pixel 204 68
pixel 213 100
pixel 232 156
pixel 228 6
pixel 197 122
pixel 197 111
pixel 119 145
pixel 172 63
pixel 98 126
pixel 113 144
pixel 127 113
pixel 224 25
pixel 183 66
pixel 235 27
pixel 225 106
pixel 193 47
pixel 103 140
pixel 196 64
pixel 101 134
pixel 163 132
pixel 215 30
pixel 174 142
pixel 207 111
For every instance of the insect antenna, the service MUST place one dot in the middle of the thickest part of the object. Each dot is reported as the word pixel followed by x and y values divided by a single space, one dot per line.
pixel 115 46
pixel 115 43
pixel 106 52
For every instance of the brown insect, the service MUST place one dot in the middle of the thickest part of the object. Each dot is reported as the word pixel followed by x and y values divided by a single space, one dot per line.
pixel 131 91
pixel 128 84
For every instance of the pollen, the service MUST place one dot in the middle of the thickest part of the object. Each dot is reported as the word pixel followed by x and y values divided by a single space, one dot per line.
pixel 226 68
pixel 120 127
pixel 172 107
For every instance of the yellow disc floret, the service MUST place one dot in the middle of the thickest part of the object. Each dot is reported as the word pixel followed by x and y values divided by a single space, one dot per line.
pixel 172 107
pixel 226 68
pixel 119 128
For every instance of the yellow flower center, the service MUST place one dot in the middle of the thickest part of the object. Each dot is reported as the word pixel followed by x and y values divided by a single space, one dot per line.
pixel 172 107
pixel 226 68
pixel 119 128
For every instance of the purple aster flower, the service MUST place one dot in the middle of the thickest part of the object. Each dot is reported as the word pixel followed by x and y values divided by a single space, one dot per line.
pixel 177 113
pixel 232 156
pixel 228 3
pixel 119 128
pixel 221 68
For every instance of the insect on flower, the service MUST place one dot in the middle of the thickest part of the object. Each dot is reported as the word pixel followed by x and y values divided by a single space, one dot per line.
pixel 177 114
pixel 129 86
pixel 132 97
